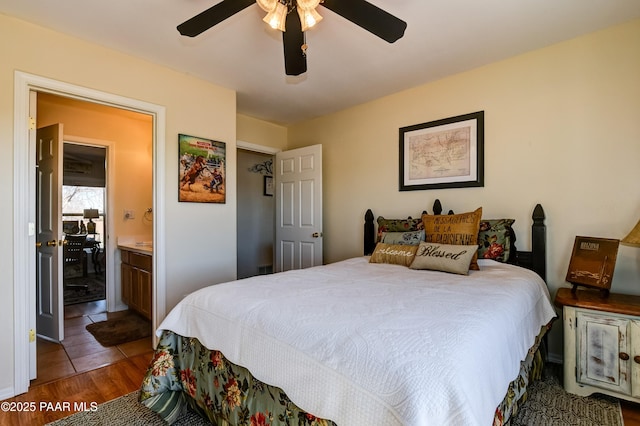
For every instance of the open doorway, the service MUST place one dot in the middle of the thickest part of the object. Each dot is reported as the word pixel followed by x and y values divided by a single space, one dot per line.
pixel 24 354
pixel 107 167
pixel 255 213
pixel 84 197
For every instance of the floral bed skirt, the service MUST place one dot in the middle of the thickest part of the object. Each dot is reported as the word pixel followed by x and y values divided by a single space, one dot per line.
pixel 185 373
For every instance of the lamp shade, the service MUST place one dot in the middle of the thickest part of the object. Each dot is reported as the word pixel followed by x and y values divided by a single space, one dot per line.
pixel 633 239
pixel 308 17
pixel 91 214
pixel 277 17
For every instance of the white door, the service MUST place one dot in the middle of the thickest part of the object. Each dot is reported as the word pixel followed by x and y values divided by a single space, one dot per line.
pixel 298 182
pixel 49 303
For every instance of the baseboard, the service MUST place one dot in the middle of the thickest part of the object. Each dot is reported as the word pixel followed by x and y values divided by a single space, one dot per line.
pixel 555 358
pixel 120 307
pixel 7 393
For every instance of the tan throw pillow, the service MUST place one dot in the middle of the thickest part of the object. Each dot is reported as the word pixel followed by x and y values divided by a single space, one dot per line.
pixel 444 257
pixel 454 229
pixel 394 254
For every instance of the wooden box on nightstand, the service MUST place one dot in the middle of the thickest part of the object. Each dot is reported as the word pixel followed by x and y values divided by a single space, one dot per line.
pixel 601 343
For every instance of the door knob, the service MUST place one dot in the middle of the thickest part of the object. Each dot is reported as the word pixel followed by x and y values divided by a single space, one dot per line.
pixel 316 234
pixel 51 243
pixel 38 244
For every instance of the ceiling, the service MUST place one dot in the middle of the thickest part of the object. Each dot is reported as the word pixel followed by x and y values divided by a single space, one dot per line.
pixel 346 64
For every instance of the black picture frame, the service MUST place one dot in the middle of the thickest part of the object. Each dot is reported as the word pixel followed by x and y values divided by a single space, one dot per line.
pixel 446 153
pixel 268 186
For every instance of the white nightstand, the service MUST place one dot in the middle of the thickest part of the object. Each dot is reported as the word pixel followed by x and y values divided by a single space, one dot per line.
pixel 601 343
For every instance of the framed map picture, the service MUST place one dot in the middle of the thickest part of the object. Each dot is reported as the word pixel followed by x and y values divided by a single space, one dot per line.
pixel 447 153
pixel 202 172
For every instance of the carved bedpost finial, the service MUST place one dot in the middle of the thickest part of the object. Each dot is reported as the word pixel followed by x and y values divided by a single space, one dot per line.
pixel 538 215
pixel 437 207
pixel 539 242
pixel 369 234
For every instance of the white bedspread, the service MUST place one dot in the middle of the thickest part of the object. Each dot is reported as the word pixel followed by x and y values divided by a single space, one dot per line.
pixel 376 344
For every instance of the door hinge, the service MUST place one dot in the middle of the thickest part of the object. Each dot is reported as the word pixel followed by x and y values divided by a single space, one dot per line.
pixel 32 123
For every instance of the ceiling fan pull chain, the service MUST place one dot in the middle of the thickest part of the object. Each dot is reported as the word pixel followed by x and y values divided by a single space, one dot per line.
pixel 304 44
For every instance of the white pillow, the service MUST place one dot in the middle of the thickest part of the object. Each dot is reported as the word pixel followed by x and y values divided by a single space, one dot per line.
pixel 444 257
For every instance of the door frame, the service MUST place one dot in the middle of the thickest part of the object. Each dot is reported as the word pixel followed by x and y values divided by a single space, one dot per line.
pixel 24 276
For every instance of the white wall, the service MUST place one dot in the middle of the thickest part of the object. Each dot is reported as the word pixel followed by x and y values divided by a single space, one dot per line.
pixel 200 238
pixel 561 129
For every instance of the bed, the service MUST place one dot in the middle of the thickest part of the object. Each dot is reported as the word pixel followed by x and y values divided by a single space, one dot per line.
pixel 362 341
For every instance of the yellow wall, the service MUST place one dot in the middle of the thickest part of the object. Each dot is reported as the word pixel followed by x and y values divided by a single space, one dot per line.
pixel 260 132
pixel 561 129
pixel 192 107
pixel 130 135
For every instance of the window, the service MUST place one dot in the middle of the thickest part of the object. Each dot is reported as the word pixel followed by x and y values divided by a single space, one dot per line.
pixel 75 199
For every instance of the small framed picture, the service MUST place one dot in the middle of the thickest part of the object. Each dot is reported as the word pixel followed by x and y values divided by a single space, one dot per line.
pixel 592 263
pixel 268 186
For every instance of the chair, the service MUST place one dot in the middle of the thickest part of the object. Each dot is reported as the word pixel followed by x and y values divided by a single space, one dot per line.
pixel 74 254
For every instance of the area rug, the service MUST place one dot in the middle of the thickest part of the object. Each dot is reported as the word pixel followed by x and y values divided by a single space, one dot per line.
pixel 122 329
pixel 126 411
pixel 95 289
pixel 547 405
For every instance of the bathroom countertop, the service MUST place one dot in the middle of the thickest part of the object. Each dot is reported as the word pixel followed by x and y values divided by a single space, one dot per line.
pixel 144 248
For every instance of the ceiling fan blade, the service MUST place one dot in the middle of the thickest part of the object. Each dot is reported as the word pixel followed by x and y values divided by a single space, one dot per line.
pixel 212 16
pixel 370 17
pixel 295 60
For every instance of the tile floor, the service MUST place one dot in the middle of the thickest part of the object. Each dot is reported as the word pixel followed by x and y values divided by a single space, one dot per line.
pixel 80 351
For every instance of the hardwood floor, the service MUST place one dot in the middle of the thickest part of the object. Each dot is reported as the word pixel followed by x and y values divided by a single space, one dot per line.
pixel 79 372
pixel 630 413
pixel 80 351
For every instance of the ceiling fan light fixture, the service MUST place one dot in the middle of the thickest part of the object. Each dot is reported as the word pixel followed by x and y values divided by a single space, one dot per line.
pixel 308 17
pixel 277 17
pixel 308 4
pixel 267 5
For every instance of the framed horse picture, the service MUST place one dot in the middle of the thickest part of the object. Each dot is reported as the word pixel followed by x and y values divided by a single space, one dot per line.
pixel 202 171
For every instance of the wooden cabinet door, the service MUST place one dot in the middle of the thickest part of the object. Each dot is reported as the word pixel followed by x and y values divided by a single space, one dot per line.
pixel 604 350
pixel 135 289
pixel 144 286
pixel 137 282
pixel 126 272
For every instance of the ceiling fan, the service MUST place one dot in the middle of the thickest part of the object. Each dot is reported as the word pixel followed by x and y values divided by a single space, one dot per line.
pixel 293 25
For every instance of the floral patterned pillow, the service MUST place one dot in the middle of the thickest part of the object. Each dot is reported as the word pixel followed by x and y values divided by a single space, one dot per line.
pixel 412 238
pixel 496 239
pixel 398 225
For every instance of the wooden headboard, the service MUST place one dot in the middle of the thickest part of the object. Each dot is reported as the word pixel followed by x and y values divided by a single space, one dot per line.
pixel 536 259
